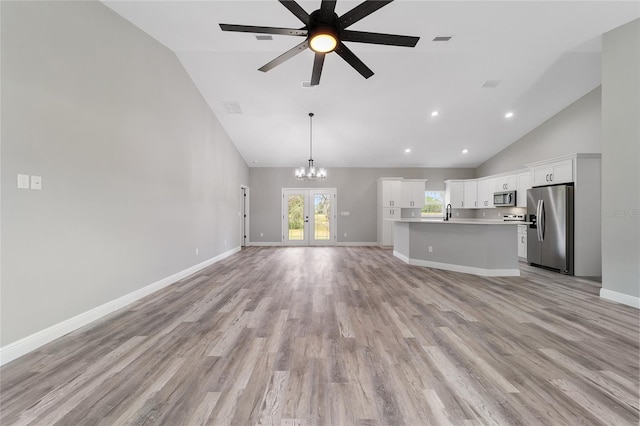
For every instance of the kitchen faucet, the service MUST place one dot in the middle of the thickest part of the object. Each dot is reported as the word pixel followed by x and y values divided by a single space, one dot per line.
pixel 447 212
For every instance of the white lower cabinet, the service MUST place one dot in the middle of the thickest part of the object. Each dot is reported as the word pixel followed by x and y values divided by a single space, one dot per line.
pixel 522 241
pixel 385 234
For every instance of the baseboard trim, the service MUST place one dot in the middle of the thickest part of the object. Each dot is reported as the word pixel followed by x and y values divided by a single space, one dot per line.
pixel 339 244
pixel 625 299
pixel 459 268
pixel 30 343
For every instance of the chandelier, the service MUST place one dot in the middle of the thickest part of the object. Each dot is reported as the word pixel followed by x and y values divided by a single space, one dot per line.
pixel 311 172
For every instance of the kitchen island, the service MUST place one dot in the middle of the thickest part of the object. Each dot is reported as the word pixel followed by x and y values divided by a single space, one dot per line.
pixel 474 246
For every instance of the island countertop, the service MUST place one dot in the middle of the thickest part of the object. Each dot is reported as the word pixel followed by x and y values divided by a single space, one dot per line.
pixel 465 221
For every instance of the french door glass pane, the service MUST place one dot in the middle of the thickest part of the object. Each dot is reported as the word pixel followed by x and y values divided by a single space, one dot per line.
pixel 322 213
pixel 296 217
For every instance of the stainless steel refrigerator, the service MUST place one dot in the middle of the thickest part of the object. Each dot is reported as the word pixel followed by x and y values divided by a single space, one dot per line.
pixel 550 236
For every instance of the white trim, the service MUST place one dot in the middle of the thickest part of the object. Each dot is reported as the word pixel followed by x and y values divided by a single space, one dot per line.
pixel 459 268
pixel 625 299
pixel 25 345
pixel 264 244
pixel 350 244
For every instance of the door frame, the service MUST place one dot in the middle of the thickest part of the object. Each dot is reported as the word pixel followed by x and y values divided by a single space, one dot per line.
pixel 309 229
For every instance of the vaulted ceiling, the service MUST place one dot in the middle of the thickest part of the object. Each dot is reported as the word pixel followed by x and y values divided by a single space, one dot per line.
pixel 539 56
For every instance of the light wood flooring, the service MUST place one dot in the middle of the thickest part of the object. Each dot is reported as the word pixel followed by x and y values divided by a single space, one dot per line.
pixel 340 336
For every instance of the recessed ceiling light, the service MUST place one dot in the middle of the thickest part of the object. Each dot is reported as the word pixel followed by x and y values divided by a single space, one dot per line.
pixel 508 115
pixel 434 114
pixel 408 150
pixel 464 151
pixel 255 161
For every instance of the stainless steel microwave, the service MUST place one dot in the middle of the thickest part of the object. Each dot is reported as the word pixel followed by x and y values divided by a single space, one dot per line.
pixel 504 199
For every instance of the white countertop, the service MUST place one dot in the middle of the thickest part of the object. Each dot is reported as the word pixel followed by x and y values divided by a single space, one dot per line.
pixel 465 221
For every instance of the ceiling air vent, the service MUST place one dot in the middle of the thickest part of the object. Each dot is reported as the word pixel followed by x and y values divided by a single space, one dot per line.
pixel 442 38
pixel 232 107
pixel 264 37
pixel 490 84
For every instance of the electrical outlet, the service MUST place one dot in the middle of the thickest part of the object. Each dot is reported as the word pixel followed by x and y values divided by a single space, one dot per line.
pixel 225 243
pixel 36 182
pixel 345 234
pixel 262 234
pixel 430 249
pixel 457 214
pixel 197 252
pixel 483 214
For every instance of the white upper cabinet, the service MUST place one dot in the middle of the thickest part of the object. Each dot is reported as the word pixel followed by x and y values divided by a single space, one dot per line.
pixel 506 183
pixel 552 173
pixel 470 194
pixel 391 192
pixel 454 194
pixel 412 191
pixel 485 192
pixel 521 191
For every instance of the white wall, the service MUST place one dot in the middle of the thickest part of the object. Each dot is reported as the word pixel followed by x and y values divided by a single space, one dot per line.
pixel 621 164
pixel 137 172
pixel 577 128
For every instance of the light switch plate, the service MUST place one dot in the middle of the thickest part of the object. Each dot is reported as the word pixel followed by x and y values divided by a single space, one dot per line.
pixel 36 182
pixel 23 181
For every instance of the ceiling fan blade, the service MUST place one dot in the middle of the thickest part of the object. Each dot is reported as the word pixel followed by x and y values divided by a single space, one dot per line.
pixel 361 11
pixel 297 10
pixel 317 69
pixel 263 30
pixel 353 60
pixel 379 38
pixel 285 56
pixel 328 6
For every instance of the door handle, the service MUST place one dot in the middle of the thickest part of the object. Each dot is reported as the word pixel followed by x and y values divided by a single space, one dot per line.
pixel 539 219
pixel 542 221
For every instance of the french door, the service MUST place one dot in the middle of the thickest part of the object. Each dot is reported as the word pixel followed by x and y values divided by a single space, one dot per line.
pixel 309 216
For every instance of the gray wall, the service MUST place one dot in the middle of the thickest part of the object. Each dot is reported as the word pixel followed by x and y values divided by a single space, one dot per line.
pixel 577 128
pixel 137 172
pixel 621 160
pixel 357 194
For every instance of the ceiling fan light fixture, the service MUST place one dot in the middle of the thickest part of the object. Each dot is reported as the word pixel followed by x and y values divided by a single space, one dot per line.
pixel 323 40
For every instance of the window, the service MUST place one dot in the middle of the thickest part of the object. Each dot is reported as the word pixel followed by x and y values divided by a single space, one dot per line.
pixel 433 203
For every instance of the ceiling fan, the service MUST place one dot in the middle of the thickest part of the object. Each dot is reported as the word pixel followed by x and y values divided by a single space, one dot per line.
pixel 325 32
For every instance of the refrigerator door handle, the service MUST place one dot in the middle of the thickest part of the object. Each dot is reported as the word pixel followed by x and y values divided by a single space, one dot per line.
pixel 542 221
pixel 538 220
